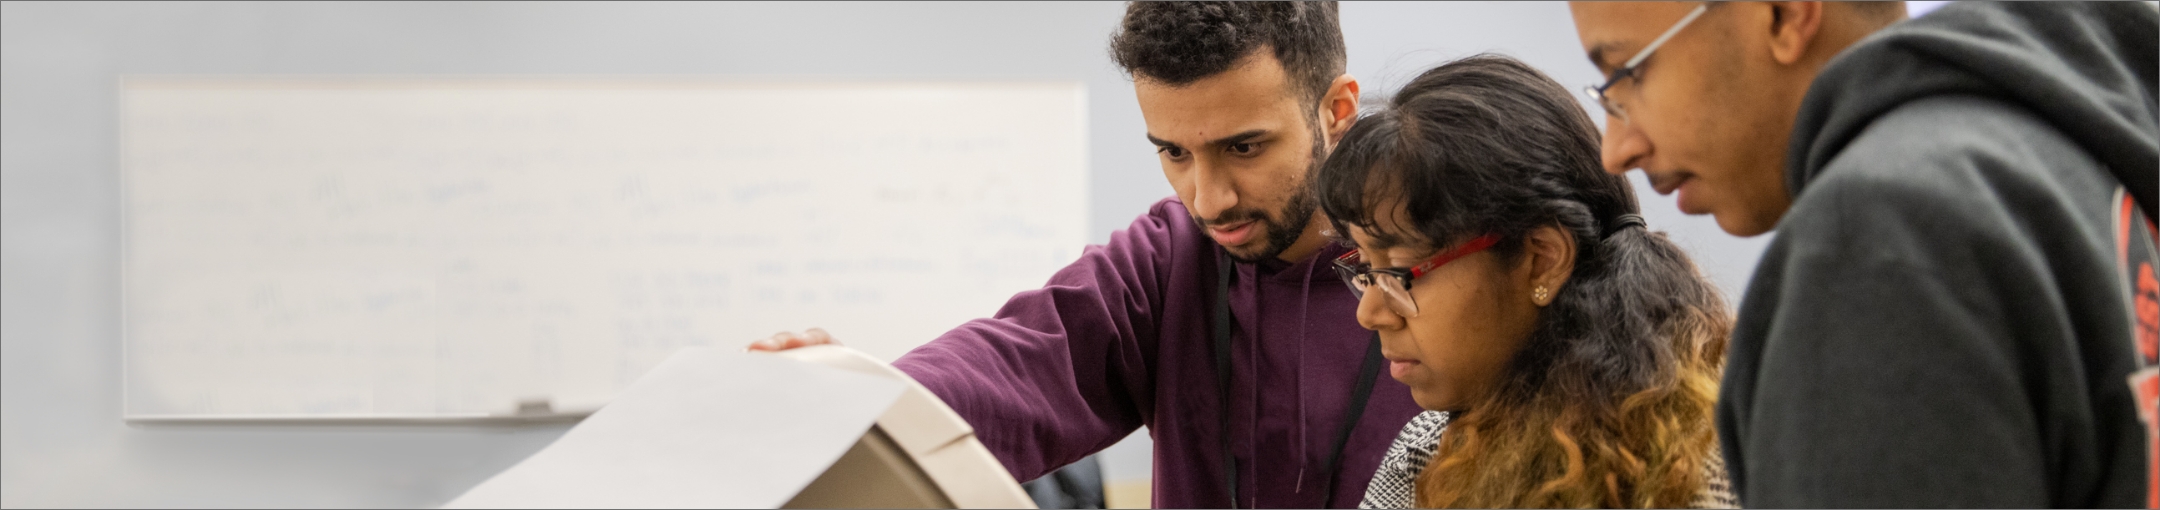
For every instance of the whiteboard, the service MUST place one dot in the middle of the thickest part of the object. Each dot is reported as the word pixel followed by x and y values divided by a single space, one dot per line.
pixel 440 248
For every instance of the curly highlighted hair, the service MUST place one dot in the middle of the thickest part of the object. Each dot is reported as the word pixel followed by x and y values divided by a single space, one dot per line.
pixel 1610 401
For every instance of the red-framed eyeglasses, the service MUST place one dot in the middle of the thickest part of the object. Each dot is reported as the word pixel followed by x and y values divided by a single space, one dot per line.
pixel 1395 281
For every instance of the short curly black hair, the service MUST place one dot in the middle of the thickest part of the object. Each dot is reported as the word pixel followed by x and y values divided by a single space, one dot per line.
pixel 1178 43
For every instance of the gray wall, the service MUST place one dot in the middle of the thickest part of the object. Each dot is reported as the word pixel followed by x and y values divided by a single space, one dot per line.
pixel 61 439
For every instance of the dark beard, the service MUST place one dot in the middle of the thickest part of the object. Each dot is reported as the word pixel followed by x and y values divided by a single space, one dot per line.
pixel 1283 227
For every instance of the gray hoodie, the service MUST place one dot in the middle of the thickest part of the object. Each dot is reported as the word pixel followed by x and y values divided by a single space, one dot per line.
pixel 1941 320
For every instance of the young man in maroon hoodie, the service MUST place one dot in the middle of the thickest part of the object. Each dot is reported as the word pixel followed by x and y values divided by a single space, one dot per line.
pixel 1215 320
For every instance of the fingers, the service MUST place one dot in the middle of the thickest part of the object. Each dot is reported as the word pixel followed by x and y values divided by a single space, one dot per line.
pixel 789 340
pixel 777 342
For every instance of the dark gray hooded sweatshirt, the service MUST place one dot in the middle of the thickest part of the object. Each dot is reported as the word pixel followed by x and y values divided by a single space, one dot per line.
pixel 1941 320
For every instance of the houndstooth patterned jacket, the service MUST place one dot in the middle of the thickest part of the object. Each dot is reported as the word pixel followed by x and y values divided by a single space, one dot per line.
pixel 1394 485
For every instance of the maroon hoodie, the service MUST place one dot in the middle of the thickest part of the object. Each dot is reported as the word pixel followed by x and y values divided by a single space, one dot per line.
pixel 1121 339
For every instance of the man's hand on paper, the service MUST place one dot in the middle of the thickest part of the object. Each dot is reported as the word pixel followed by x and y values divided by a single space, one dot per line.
pixel 789 340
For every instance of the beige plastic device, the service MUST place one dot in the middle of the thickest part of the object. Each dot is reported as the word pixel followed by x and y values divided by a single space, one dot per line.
pixel 918 455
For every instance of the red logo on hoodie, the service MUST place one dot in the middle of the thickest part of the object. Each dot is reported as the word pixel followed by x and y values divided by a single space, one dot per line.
pixel 2136 253
pixel 2148 314
pixel 2145 384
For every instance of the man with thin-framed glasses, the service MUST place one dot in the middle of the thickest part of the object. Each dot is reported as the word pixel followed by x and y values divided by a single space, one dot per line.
pixel 1959 308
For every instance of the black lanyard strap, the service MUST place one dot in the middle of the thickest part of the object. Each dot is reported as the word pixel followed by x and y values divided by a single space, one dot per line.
pixel 1222 369
pixel 1368 374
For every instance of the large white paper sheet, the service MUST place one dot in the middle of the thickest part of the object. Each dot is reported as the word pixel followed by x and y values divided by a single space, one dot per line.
pixel 707 428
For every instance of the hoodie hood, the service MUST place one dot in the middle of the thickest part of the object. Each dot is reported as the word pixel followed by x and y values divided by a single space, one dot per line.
pixel 2090 69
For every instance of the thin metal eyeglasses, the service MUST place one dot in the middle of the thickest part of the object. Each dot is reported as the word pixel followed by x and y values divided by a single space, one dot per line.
pixel 1630 69
pixel 1394 282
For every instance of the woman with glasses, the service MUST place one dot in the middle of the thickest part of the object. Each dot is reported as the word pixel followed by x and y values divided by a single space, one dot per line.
pixel 1568 357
